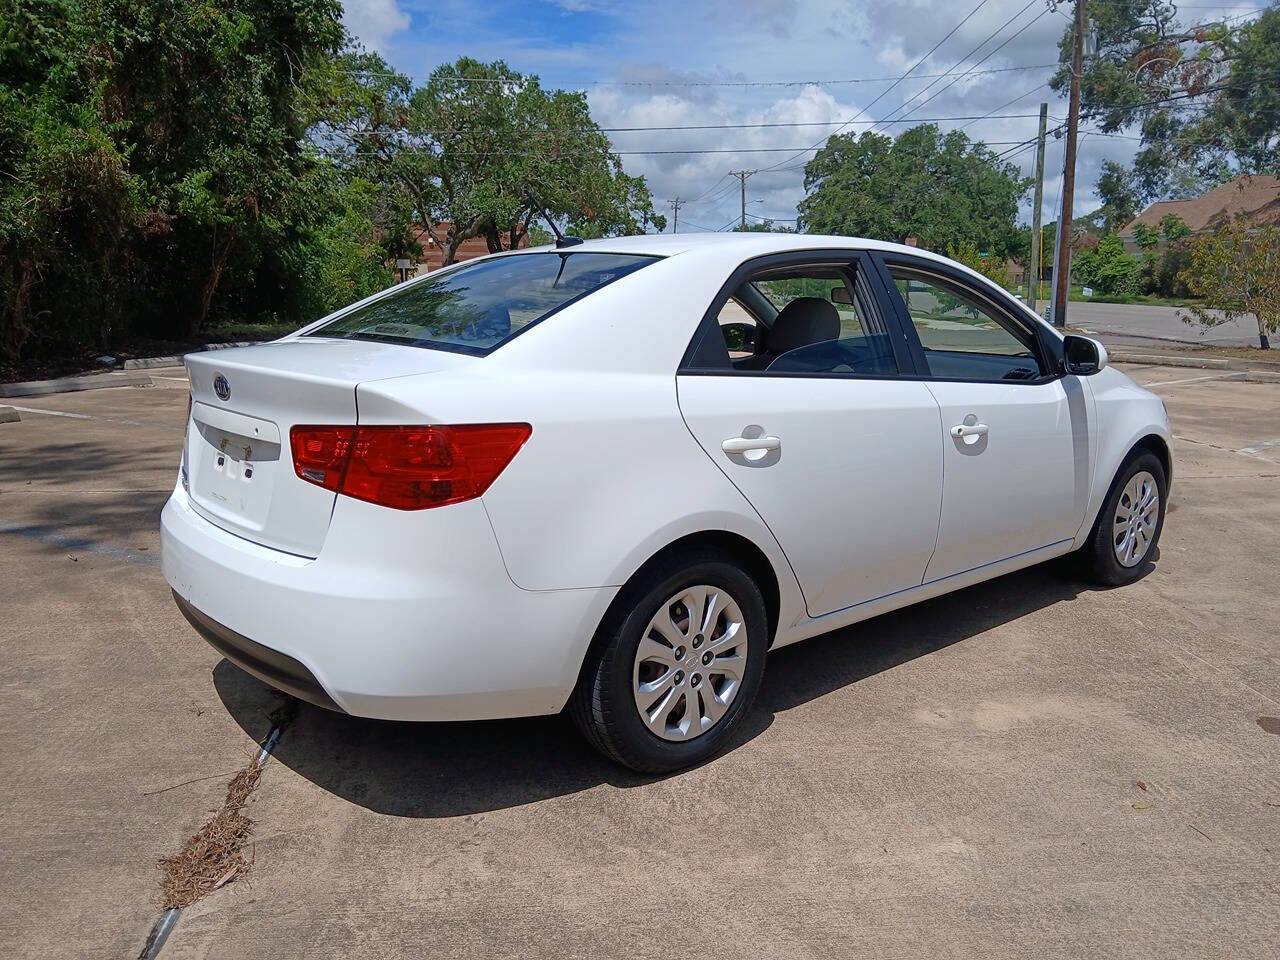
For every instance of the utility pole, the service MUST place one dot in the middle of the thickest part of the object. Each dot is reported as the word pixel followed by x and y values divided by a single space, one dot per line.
pixel 1033 270
pixel 676 204
pixel 742 182
pixel 1062 262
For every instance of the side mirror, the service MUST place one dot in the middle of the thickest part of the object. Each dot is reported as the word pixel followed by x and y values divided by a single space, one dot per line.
pixel 841 295
pixel 739 337
pixel 1083 356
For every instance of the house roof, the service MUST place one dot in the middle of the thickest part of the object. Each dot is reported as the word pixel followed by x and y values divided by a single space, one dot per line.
pixel 1257 197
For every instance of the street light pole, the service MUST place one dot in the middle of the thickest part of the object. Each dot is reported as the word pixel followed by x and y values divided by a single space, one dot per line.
pixel 1062 262
pixel 1033 271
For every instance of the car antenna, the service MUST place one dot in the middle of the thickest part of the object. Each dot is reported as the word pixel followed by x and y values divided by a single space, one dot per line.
pixel 561 240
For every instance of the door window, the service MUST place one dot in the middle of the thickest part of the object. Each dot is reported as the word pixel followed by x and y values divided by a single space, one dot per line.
pixel 815 319
pixel 964 337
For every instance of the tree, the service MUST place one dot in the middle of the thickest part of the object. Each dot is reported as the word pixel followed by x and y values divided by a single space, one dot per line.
pixel 764 226
pixel 941 188
pixel 486 151
pixel 1204 94
pixel 967 252
pixel 1119 198
pixel 1236 270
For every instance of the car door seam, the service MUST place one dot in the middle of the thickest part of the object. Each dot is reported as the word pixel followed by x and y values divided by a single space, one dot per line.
pixel 942 486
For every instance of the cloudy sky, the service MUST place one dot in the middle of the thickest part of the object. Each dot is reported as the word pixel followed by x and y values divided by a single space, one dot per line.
pixel 810 65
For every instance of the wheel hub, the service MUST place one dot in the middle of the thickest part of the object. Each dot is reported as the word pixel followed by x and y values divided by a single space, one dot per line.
pixel 689 663
pixel 1137 513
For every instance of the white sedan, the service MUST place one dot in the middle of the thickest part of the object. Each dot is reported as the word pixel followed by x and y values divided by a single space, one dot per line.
pixel 611 476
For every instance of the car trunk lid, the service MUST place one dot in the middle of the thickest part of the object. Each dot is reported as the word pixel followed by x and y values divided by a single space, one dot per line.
pixel 238 463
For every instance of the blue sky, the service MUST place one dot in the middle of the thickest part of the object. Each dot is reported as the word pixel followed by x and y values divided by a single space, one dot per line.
pixel 668 62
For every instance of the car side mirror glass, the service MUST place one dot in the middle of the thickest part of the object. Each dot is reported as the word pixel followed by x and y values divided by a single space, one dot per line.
pixel 841 295
pixel 739 337
pixel 1083 356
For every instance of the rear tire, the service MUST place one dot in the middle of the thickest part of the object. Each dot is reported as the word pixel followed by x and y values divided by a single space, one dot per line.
pixel 1128 526
pixel 679 701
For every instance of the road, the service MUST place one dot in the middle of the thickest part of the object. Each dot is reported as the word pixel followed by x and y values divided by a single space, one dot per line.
pixel 1156 324
pixel 1030 768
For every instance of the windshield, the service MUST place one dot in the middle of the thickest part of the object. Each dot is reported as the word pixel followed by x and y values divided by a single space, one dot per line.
pixel 478 306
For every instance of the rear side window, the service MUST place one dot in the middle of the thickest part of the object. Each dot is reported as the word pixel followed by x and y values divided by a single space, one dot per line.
pixel 478 306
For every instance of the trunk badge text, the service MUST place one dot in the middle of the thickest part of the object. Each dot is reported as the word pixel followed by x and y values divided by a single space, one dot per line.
pixel 221 387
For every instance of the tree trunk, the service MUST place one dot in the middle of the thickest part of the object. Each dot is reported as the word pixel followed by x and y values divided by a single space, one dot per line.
pixel 218 263
pixel 492 238
pixel 1263 342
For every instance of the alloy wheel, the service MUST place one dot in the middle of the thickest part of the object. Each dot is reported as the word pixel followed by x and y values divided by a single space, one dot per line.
pixel 690 663
pixel 1137 513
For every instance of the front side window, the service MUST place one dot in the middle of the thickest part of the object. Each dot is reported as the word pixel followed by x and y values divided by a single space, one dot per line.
pixel 478 306
pixel 963 337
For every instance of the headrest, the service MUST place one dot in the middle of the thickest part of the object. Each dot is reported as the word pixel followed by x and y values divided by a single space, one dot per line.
pixel 495 324
pixel 803 321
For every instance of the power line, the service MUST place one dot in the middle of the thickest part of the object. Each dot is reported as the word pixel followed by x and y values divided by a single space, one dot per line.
pixel 990 115
pixel 378 132
pixel 884 92
pixel 988 56
pixel 707 83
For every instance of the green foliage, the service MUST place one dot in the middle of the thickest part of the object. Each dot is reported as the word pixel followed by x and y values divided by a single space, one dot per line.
pixel 967 252
pixel 172 165
pixel 1119 197
pixel 1204 94
pixel 763 226
pixel 1236 273
pixel 155 164
pixel 941 188
pixel 485 151
pixel 1147 237
pixel 1108 268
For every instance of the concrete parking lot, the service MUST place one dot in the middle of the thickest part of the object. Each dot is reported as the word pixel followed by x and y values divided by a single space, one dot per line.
pixel 1032 767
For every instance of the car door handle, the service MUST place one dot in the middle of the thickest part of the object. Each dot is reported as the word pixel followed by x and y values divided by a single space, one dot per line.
pixel 746 445
pixel 969 430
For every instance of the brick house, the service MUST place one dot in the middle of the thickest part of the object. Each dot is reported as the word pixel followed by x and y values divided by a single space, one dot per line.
pixel 433 258
pixel 1256 197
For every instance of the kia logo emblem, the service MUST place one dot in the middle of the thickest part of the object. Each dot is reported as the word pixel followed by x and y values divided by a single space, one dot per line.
pixel 221 387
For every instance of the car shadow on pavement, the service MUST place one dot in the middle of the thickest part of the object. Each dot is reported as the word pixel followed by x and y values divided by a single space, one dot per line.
pixel 452 769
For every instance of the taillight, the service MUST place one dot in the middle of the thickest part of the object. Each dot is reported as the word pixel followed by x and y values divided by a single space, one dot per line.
pixel 320 453
pixel 409 468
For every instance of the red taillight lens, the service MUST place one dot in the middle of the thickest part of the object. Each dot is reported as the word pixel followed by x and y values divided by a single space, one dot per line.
pixel 409 468
pixel 320 454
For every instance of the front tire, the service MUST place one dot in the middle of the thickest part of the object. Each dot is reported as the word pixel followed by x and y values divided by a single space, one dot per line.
pixel 676 664
pixel 1128 526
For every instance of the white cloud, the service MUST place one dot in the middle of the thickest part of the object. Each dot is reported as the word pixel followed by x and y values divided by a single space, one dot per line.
pixel 374 22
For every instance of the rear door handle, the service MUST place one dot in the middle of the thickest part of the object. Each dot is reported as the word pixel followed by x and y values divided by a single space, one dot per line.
pixel 969 430
pixel 748 445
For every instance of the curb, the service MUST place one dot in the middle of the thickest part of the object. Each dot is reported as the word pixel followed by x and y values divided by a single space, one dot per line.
pixel 9 415
pixel 175 360
pixel 1202 363
pixel 1261 376
pixel 39 388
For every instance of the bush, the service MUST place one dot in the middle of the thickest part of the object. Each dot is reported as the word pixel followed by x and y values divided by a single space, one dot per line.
pixel 1109 268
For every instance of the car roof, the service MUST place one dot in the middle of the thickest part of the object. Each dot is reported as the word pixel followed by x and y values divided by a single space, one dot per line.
pixel 750 244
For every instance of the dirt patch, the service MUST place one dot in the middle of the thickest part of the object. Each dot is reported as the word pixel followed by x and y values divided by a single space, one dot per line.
pixel 215 853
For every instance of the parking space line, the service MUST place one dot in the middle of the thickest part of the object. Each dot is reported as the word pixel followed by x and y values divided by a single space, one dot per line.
pixel 1216 376
pixel 1257 448
pixel 87 416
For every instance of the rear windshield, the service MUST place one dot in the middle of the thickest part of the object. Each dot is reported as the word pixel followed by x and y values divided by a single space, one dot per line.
pixel 479 305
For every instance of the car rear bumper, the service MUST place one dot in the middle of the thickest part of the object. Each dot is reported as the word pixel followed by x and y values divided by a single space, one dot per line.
pixel 402 616
pixel 270 666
